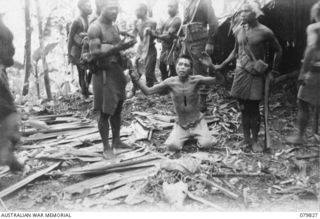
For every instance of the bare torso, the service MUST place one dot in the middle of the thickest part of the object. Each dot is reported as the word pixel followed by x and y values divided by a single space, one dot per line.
pixel 185 98
pixel 141 25
pixel 256 39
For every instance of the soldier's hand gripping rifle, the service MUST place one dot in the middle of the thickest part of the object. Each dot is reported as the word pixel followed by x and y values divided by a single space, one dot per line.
pixel 176 40
pixel 175 43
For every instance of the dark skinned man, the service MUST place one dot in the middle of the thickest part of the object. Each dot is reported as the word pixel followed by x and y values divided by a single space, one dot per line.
pixel 147 50
pixel 167 34
pixel 9 118
pixel 109 81
pixel 184 91
pixel 78 31
pixel 309 78
pixel 253 40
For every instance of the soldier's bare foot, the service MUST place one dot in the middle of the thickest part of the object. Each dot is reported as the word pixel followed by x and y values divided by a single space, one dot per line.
pixel 120 145
pixel 109 155
pixel 294 139
pixel 257 148
pixel 245 145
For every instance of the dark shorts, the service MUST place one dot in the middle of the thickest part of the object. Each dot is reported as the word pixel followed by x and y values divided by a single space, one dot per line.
pixel 108 93
pixel 247 86
pixel 310 92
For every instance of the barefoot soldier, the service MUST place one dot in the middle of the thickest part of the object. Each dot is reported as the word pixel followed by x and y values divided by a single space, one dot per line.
pixel 253 40
pixel 309 78
pixel 9 117
pixel 109 81
pixel 77 33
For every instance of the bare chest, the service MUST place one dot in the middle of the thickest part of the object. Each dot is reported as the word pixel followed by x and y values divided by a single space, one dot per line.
pixel 251 37
pixel 184 91
pixel 110 35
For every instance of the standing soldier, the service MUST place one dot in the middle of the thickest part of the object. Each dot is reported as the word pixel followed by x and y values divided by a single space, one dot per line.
pixel 109 81
pixel 77 33
pixel 309 78
pixel 198 15
pixel 147 50
pixel 253 40
pixel 167 35
pixel 9 118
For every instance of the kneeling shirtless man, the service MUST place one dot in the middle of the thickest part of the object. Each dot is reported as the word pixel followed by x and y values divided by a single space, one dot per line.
pixel 184 90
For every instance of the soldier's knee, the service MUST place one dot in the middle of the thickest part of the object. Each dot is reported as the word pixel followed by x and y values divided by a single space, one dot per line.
pixel 206 142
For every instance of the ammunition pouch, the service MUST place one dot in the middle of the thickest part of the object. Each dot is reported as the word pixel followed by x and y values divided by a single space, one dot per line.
pixel 195 31
pixel 256 68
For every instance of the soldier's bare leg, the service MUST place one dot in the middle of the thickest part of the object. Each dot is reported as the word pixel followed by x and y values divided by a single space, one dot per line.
pixel 245 119
pixel 115 121
pixel 303 119
pixel 163 70
pixel 103 126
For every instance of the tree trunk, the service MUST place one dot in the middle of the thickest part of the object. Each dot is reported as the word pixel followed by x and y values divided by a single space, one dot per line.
pixel 27 51
pixel 37 80
pixel 43 57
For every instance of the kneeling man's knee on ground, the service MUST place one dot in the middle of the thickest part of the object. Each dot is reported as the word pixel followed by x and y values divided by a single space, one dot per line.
pixel 206 142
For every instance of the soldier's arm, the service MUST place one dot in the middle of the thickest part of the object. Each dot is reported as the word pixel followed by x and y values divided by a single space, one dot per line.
pixel 212 21
pixel 172 32
pixel 135 28
pixel 277 51
pixel 73 31
pixel 98 50
pixel 232 56
pixel 94 41
pixel 312 38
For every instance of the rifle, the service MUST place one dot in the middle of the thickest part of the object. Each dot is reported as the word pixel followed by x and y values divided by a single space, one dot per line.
pixel 266 113
pixel 174 45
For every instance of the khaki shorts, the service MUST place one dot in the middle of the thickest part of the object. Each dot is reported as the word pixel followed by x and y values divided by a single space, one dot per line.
pixel 200 132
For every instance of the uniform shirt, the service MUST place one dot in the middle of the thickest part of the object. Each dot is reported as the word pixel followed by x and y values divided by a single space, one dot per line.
pixel 205 14
pixel 171 26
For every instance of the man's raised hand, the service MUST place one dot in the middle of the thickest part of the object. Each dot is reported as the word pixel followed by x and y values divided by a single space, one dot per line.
pixel 205 60
pixel 134 74
pixel 209 48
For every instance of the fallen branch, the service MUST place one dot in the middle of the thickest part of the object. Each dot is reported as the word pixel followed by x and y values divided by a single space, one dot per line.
pixel 27 180
pixel 305 157
pixel 239 175
pixel 27 133
pixel 203 201
pixel 225 191
pixel 104 166
pixel 51 116
pixel 101 181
